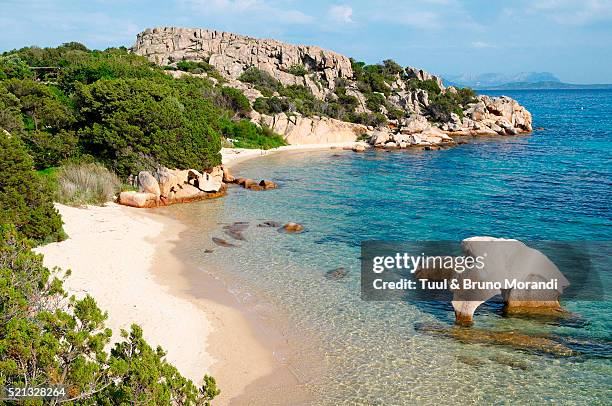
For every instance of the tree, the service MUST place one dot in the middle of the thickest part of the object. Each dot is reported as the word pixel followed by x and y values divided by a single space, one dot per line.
pixel 49 120
pixel 135 124
pixel 48 338
pixel 25 201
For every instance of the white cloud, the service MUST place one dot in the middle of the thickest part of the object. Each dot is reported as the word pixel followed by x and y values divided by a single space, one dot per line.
pixel 341 13
pixel 256 8
pixel 428 15
pixel 572 12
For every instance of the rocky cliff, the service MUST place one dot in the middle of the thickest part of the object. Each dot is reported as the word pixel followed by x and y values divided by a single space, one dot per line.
pixel 349 99
pixel 232 54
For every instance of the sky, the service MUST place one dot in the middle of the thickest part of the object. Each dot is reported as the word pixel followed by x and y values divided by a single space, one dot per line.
pixel 572 39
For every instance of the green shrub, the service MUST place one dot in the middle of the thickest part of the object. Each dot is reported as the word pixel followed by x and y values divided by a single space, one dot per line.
pixel 200 67
pixel 392 67
pixel 25 200
pixel 48 338
pixel 235 100
pixel 271 105
pixel 263 81
pixel 375 101
pixel 113 63
pixel 245 134
pixel 10 112
pixel 13 67
pixel 441 106
pixel 81 184
pixel 135 124
pixel 348 102
pixel 466 96
pixel 430 85
pixel 46 121
pixel 297 70
pixel 395 113
pixel 373 119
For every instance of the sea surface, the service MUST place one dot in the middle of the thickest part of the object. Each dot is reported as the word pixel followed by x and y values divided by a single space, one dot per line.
pixel 552 185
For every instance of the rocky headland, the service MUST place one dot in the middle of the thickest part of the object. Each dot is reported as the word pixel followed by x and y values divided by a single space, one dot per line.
pixel 388 105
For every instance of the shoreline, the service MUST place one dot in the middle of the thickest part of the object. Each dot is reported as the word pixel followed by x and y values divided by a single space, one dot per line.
pixel 111 252
pixel 233 156
pixel 137 277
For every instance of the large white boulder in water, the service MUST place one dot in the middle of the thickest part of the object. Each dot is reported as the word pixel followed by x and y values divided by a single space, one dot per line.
pixel 507 260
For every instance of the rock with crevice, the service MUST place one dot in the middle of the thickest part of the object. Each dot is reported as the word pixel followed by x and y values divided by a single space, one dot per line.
pixel 299 129
pixel 170 186
pixel 231 54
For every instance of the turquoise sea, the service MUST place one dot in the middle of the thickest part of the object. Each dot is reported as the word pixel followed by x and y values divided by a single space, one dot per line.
pixel 555 184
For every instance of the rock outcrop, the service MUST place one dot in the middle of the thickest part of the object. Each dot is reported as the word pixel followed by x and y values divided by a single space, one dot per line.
pixel 297 129
pixel 169 186
pixel 412 132
pixel 507 260
pixel 232 54
pixel 491 116
pixel 322 72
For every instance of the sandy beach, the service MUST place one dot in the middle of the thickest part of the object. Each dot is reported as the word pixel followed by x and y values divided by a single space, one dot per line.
pixel 233 156
pixel 123 258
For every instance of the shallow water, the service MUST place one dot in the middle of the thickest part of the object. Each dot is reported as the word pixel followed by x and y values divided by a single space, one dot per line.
pixel 552 185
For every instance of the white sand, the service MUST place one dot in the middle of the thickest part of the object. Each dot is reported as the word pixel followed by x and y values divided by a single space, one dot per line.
pixel 232 156
pixel 110 252
pixel 122 257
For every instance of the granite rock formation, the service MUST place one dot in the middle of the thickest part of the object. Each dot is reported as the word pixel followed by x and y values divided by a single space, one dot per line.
pixel 232 54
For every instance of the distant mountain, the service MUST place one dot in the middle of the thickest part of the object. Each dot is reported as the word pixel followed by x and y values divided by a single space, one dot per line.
pixel 517 81
pixel 487 80
pixel 544 85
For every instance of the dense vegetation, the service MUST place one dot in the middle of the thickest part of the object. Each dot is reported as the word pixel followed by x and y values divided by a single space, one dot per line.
pixel 300 99
pixel 69 103
pixel 25 202
pixel 48 338
pixel 372 81
pixel 74 124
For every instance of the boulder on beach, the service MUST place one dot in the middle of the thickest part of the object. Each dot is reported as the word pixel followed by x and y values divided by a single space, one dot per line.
pixel 148 184
pixel 169 186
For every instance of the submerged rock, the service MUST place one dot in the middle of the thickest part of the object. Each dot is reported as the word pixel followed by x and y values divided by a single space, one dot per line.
pixel 511 339
pixel 268 184
pixel 235 230
pixel 269 223
pixel 336 274
pixel 254 185
pixel 293 228
pixel 223 243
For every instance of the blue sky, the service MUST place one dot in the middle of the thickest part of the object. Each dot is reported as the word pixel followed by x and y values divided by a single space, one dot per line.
pixel 569 38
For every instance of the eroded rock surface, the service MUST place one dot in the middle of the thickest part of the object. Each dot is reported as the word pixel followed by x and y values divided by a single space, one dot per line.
pixel 169 186
pixel 232 54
